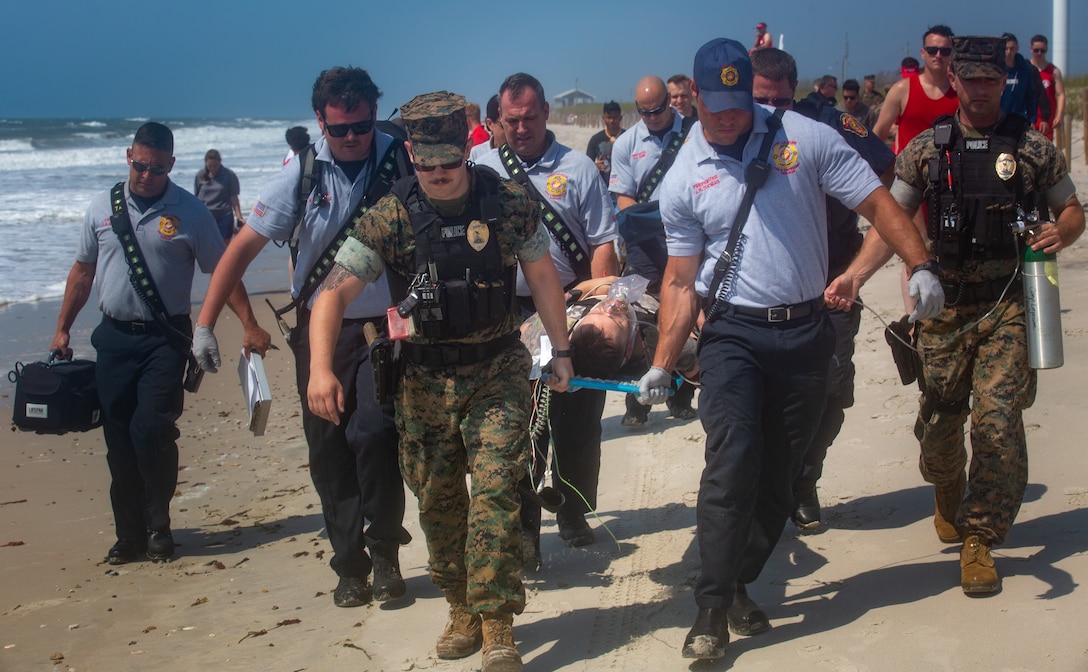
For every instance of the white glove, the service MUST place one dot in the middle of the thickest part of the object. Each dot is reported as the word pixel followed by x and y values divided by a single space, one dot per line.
pixel 654 386
pixel 926 288
pixel 206 349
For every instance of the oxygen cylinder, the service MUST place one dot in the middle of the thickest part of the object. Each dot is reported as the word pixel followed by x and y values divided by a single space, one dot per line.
pixel 1043 310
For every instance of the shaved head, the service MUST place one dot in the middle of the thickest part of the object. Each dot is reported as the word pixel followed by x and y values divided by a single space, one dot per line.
pixel 651 95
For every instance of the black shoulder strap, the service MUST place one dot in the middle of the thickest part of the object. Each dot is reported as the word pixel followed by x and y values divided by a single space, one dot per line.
pixel 388 171
pixel 138 273
pixel 664 162
pixel 309 177
pixel 557 228
pixel 755 176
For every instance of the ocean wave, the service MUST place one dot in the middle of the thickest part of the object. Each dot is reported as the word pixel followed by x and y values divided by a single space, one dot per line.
pixel 94 124
pixel 14 145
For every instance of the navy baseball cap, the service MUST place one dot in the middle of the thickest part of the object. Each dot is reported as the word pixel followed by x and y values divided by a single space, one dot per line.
pixel 723 74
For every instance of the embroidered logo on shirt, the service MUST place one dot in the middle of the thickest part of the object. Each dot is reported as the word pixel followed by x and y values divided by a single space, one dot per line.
pixel 260 209
pixel 785 157
pixel 638 155
pixel 730 76
pixel 854 126
pixel 709 182
pixel 557 185
pixel 168 226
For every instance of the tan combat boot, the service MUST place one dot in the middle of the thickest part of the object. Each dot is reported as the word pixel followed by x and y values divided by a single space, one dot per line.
pixel 948 500
pixel 500 653
pixel 462 635
pixel 977 571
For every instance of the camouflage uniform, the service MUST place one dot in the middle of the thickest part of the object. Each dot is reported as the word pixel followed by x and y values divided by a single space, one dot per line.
pixel 987 361
pixel 466 417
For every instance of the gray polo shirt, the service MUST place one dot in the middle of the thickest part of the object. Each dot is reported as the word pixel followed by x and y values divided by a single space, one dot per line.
pixel 176 233
pixel 635 154
pixel 782 254
pixel 573 186
pixel 275 214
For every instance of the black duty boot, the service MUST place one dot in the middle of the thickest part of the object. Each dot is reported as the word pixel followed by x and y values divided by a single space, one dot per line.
pixel 806 509
pixel 709 637
pixel 745 616
pixel 125 550
pixel 574 529
pixel 160 545
pixel 388 582
pixel 351 592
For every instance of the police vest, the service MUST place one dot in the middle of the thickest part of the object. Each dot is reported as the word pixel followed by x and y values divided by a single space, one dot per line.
pixel 975 192
pixel 460 283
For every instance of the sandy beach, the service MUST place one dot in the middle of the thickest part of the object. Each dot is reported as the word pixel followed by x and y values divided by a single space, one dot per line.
pixel 250 587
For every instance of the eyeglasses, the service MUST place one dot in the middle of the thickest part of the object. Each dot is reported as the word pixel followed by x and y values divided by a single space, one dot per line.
pixel 773 102
pixel 341 130
pixel 1038 51
pixel 846 97
pixel 657 110
pixel 444 166
pixel 933 51
pixel 141 167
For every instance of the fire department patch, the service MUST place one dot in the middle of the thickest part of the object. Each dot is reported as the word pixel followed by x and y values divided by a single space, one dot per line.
pixel 1006 166
pixel 854 126
pixel 730 75
pixel 168 226
pixel 557 185
pixel 785 157
pixel 478 235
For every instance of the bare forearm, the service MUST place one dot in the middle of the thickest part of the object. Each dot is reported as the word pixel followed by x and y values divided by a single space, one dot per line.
pixel 76 292
pixel 239 304
pixel 548 297
pixel 228 274
pixel 603 261
pixel 679 307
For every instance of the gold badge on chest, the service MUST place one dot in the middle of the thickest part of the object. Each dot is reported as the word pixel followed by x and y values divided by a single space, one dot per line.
pixel 1006 166
pixel 478 235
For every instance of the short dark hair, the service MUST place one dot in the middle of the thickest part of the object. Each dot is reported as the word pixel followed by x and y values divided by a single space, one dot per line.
pixel 1039 38
pixel 156 136
pixel 679 79
pixel 828 80
pixel 493 108
pixel 344 87
pixel 939 29
pixel 774 64
pixel 851 85
pixel 909 62
pixel 593 354
pixel 612 106
pixel 1009 37
pixel 297 138
pixel 868 78
pixel 518 82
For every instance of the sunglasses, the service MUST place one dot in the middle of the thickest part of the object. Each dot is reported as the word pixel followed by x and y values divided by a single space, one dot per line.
pixel 141 167
pixel 773 102
pixel 444 166
pixel 657 110
pixel 1038 51
pixel 846 97
pixel 341 130
pixel 933 51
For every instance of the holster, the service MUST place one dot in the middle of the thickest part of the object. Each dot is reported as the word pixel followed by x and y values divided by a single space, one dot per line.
pixel 898 335
pixel 385 369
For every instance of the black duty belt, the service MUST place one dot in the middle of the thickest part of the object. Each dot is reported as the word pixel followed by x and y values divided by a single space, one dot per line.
pixel 777 313
pixel 455 354
pixel 138 327
pixel 987 291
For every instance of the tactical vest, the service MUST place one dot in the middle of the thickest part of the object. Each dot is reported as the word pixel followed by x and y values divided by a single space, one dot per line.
pixel 975 192
pixel 460 283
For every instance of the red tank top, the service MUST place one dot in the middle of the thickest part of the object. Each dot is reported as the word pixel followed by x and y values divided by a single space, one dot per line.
pixel 1047 75
pixel 921 111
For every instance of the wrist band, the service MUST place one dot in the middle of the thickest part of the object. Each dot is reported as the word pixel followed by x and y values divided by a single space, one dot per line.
pixel 928 265
pixel 560 353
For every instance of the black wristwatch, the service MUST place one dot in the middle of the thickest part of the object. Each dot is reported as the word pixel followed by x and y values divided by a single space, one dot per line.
pixel 560 353
pixel 930 265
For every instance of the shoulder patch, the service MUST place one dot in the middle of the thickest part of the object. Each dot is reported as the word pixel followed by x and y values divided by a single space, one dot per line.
pixel 852 125
pixel 785 157
pixel 260 209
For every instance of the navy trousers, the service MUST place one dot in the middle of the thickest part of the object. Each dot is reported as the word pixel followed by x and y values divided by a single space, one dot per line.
pixel 763 389
pixel 354 465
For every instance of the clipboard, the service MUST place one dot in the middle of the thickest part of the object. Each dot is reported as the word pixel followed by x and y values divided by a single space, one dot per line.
pixel 255 388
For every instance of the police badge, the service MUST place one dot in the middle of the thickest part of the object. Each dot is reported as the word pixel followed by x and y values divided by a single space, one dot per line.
pixel 478 235
pixel 1006 166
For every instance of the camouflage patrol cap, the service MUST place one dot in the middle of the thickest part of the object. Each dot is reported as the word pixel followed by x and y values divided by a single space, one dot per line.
pixel 437 127
pixel 974 57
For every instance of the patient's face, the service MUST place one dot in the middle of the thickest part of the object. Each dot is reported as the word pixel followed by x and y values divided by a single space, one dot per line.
pixel 615 318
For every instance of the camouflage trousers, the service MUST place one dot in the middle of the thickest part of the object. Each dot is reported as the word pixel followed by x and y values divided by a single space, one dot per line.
pixel 988 365
pixel 469 419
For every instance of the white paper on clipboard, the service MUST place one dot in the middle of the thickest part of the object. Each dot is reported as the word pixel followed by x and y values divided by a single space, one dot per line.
pixel 257 394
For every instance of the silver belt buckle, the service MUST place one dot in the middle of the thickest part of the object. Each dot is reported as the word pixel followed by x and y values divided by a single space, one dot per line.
pixel 778 314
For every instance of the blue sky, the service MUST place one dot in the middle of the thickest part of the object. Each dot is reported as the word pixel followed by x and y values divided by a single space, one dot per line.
pixel 235 58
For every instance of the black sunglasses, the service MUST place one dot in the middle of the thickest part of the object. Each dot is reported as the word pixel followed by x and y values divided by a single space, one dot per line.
pixel 141 167
pixel 846 97
pixel 943 51
pixel 657 110
pixel 341 130
pixel 1038 51
pixel 444 166
pixel 773 102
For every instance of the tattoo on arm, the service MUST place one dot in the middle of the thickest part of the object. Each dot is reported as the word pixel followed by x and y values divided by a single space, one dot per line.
pixel 336 277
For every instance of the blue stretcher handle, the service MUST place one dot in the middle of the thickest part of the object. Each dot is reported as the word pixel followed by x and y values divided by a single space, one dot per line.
pixel 610 385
